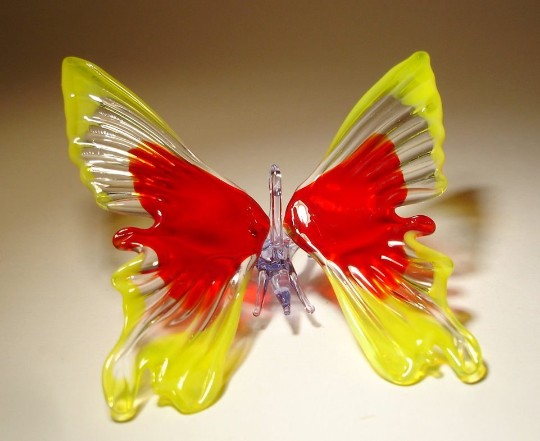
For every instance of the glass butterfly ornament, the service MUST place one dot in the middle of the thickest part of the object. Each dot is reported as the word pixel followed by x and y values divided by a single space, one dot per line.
pixel 184 289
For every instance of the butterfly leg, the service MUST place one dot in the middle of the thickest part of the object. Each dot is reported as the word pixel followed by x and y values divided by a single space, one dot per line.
pixel 261 292
pixel 299 291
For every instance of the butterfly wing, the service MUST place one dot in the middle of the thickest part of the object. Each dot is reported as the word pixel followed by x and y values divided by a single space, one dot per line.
pixel 183 290
pixel 391 288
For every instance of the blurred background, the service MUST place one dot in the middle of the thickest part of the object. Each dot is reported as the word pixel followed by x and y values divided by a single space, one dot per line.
pixel 248 84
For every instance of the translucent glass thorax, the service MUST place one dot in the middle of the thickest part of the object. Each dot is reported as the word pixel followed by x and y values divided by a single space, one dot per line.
pixel 274 264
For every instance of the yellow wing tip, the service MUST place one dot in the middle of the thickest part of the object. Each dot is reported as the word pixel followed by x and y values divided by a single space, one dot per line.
pixel 418 66
pixel 420 56
pixel 418 61
pixel 72 61
pixel 70 67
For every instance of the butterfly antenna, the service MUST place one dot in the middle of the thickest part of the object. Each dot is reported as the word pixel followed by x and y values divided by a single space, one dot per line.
pixel 274 263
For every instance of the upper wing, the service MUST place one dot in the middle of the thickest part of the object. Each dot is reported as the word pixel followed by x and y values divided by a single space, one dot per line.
pixel 183 291
pixel 392 289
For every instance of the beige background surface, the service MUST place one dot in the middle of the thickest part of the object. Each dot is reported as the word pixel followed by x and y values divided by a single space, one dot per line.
pixel 247 84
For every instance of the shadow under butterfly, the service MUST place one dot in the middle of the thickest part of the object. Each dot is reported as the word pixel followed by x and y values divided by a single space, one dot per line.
pixel 184 289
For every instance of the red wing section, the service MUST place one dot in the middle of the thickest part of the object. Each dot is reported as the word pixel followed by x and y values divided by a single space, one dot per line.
pixel 348 216
pixel 204 228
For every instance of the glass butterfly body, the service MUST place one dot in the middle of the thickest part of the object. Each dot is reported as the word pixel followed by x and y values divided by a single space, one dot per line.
pixel 274 263
pixel 183 291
